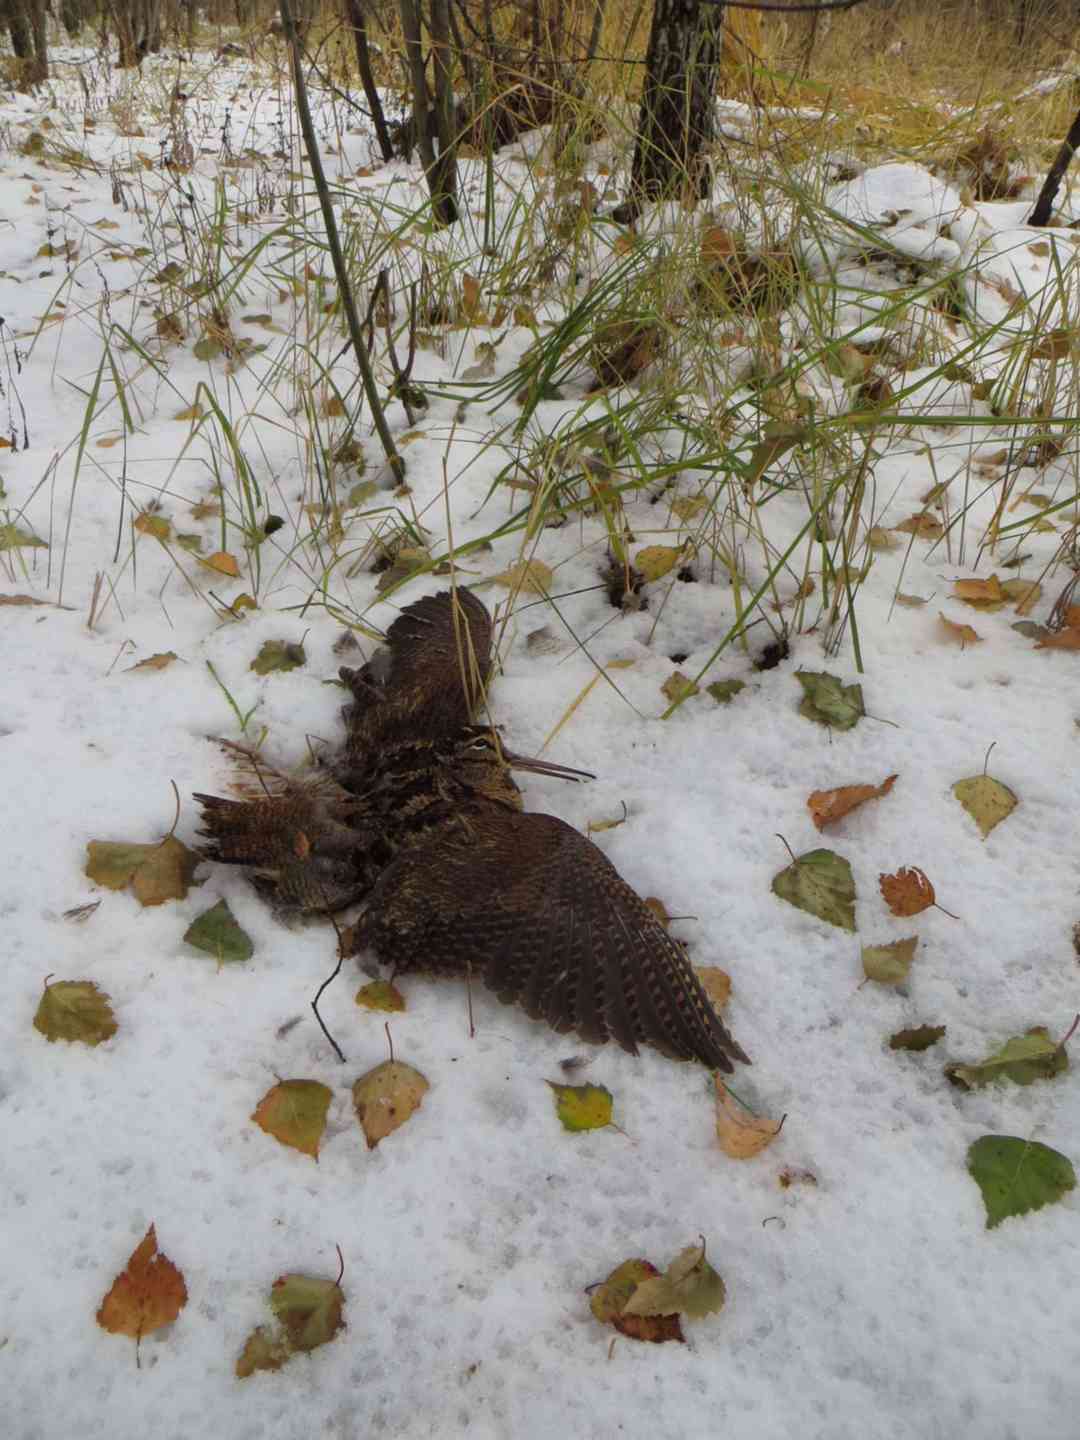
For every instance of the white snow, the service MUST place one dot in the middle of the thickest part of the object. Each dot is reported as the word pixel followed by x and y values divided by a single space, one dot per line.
pixel 874 1304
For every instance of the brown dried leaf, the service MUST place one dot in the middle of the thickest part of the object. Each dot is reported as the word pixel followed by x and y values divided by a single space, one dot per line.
pixel 908 892
pixel 956 634
pixel 385 1098
pixel 716 983
pixel 827 806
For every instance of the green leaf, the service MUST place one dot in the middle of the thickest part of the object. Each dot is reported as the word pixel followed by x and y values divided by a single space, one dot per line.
pixel 12 537
pixel 189 541
pixel 690 1286
pixel 75 1010
pixel 828 701
pixel 1017 1176
pixel 820 882
pixel 217 932
pixel 278 656
pixel 309 1309
pixel 986 800
pixel 921 1037
pixel 1023 1059
pixel 207 348
pixel 294 1113
pixel 380 995
pixel 582 1107
pixel 724 691
pixel 889 964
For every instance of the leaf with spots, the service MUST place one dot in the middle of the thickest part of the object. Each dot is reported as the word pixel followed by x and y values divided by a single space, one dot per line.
pixel 75 1010
pixel 385 1098
pixel 294 1113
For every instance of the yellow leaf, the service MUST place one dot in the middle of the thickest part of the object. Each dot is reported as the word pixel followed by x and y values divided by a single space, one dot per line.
pixel 222 562
pixel 193 412
pixel 956 634
pixel 981 594
pixel 986 800
pixel 380 995
pixel 154 662
pixel 716 983
pixel 740 1132
pixel 532 577
pixel 655 561
pixel 385 1098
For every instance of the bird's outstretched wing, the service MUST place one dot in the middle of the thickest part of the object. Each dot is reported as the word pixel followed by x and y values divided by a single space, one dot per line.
pixel 430 679
pixel 537 911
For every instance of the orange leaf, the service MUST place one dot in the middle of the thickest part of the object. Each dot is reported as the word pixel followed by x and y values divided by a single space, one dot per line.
pixel 828 805
pixel 983 594
pixel 957 634
pixel 149 1293
pixel 908 892
pixel 222 562
pixel 470 297
pixel 1063 640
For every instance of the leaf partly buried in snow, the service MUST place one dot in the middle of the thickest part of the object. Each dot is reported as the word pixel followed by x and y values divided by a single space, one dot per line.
pixel 12 537
pixel 1023 1059
pixel 820 882
pixel 294 1113
pixel 678 687
pixel 828 701
pixel 908 892
pixel 531 577
pixel 582 1107
pixel 981 594
pixel 689 1286
pixel 385 1098
pixel 956 634
pixel 309 1314
pixel 918 1038
pixel 827 806
pixel 653 562
pixel 741 1133
pixel 216 932
pixel 380 995
pixel 156 873
pixel 75 1010
pixel 986 800
pixel 160 661
pixel 889 964
pixel 608 1303
pixel 724 691
pixel 1017 1176
pixel 146 1295
pixel 278 656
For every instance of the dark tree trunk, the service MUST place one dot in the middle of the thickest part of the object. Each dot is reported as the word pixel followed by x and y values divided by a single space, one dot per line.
pixel 1044 206
pixel 25 21
pixel 675 123
pixel 354 14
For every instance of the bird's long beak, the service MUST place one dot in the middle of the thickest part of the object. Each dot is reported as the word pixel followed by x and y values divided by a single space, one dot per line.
pixel 544 767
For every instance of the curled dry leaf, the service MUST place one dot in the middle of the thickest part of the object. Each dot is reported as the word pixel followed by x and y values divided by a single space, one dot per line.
pixel 981 594
pixel 956 634
pixel 149 1293
pixel 908 892
pixel 741 1133
pixel 827 806
pixel 385 1098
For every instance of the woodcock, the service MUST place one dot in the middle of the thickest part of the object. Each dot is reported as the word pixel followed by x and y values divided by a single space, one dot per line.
pixel 419 817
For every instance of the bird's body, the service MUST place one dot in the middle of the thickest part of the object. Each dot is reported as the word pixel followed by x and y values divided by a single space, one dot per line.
pixel 419 816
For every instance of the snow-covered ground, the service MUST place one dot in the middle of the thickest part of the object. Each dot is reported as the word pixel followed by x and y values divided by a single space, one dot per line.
pixel 872 1303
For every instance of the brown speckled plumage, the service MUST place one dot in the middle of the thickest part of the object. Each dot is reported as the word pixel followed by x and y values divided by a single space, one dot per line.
pixel 420 817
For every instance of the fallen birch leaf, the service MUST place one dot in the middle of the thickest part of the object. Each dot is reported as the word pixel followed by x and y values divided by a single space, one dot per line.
pixel 149 1293
pixel 957 634
pixel 827 806
pixel 385 1097
pixel 908 892
pixel 294 1113
pixel 1017 1176
pixel 889 964
pixel 821 883
pixel 582 1107
pixel 156 873
pixel 741 1133
pixel 986 800
pixel 75 1010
